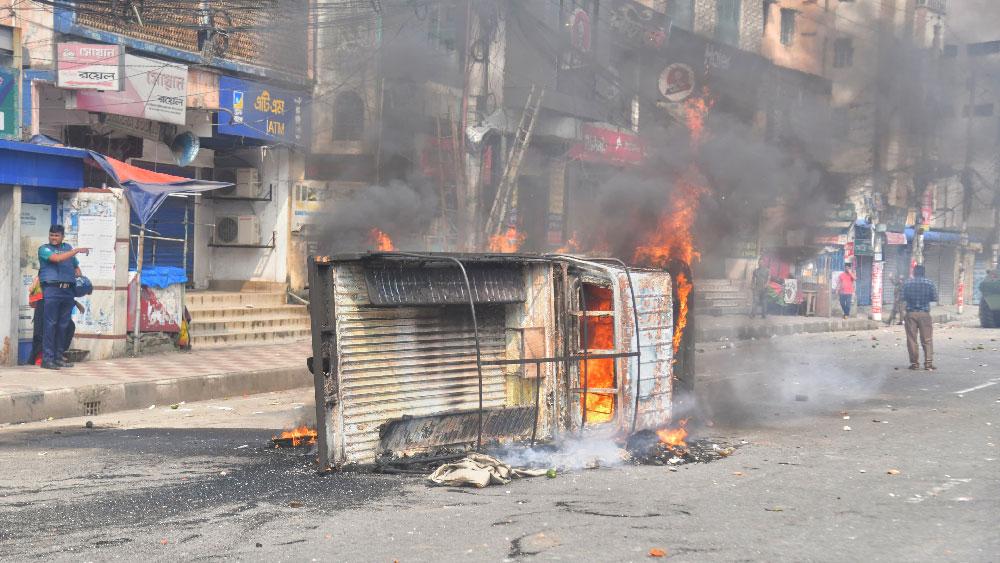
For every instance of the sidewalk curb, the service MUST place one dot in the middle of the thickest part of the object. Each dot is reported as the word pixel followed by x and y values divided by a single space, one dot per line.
pixel 113 397
pixel 761 331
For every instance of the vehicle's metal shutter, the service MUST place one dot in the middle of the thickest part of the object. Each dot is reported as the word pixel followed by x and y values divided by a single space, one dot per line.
pixel 416 361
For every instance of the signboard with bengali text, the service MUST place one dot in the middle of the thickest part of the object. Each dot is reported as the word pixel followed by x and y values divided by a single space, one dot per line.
pixel 88 66
pixel 261 111
pixel 154 90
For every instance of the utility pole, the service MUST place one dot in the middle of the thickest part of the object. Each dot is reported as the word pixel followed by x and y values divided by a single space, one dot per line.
pixel 474 89
pixel 967 187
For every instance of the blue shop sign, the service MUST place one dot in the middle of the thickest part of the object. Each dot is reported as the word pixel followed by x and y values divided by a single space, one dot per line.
pixel 260 111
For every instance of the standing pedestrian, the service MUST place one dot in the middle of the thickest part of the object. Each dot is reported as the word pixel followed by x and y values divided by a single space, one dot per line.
pixel 36 301
pixel 57 272
pixel 845 289
pixel 898 307
pixel 758 285
pixel 918 292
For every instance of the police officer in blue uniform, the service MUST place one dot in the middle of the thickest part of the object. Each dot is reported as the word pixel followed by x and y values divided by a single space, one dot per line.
pixel 58 270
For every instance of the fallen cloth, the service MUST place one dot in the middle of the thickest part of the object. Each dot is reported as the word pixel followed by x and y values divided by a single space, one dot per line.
pixel 479 470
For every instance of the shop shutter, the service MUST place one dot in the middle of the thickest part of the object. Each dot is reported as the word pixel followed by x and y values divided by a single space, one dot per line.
pixel 863 285
pixel 897 262
pixel 167 222
pixel 940 264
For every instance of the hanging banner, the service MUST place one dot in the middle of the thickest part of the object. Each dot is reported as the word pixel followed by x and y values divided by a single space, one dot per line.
pixel 8 102
pixel 154 90
pixel 927 209
pixel 607 144
pixel 895 238
pixel 88 66
pixel 36 218
pixel 877 268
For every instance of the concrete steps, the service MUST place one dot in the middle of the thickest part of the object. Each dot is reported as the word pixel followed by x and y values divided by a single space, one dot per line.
pixel 233 318
pixel 721 297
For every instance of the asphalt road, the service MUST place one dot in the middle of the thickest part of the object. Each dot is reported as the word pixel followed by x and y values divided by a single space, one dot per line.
pixel 201 482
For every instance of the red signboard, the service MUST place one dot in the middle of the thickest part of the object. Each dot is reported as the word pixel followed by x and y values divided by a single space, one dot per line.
pixel 895 238
pixel 608 145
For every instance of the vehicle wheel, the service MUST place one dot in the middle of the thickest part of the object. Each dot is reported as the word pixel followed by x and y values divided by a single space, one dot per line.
pixel 987 318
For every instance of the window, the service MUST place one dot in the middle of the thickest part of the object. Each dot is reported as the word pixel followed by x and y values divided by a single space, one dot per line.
pixel 787 26
pixel 843 52
pixel 349 117
pixel 681 13
pixel 727 21
pixel 442 27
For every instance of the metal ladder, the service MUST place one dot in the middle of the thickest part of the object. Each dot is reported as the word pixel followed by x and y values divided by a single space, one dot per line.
pixel 507 190
pixel 445 230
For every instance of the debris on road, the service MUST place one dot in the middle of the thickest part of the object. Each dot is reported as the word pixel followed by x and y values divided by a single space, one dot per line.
pixel 480 470
pixel 847 429
pixel 893 472
pixel 657 552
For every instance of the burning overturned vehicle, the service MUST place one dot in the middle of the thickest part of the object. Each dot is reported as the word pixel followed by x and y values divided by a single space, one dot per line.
pixel 416 353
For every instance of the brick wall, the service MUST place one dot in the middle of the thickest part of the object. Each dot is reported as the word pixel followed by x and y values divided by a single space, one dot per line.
pixel 704 17
pixel 751 22
pixel 751 25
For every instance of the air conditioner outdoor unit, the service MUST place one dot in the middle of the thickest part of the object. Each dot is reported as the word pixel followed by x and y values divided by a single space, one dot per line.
pixel 245 183
pixel 237 230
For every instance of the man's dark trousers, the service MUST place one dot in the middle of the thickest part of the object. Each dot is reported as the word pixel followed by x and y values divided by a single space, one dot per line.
pixel 845 303
pixel 58 316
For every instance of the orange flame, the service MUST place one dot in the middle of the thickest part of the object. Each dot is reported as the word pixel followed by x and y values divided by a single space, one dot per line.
pixel 672 237
pixel 683 291
pixel 301 435
pixel 674 437
pixel 600 337
pixel 508 242
pixel 380 240
pixel 572 245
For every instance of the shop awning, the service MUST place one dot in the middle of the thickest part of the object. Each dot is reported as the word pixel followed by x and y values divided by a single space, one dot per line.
pixel 935 236
pixel 833 233
pixel 43 164
pixel 147 190
pixel 26 164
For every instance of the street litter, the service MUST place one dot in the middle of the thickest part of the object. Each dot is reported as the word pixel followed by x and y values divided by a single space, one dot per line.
pixel 893 472
pixel 657 552
pixel 847 429
pixel 480 470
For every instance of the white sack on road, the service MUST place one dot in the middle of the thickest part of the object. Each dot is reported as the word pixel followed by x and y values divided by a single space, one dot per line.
pixel 479 470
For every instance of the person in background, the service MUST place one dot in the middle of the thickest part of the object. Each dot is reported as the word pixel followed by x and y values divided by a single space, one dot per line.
pixel 758 284
pixel 57 272
pixel 918 292
pixel 845 289
pixel 37 302
pixel 897 301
